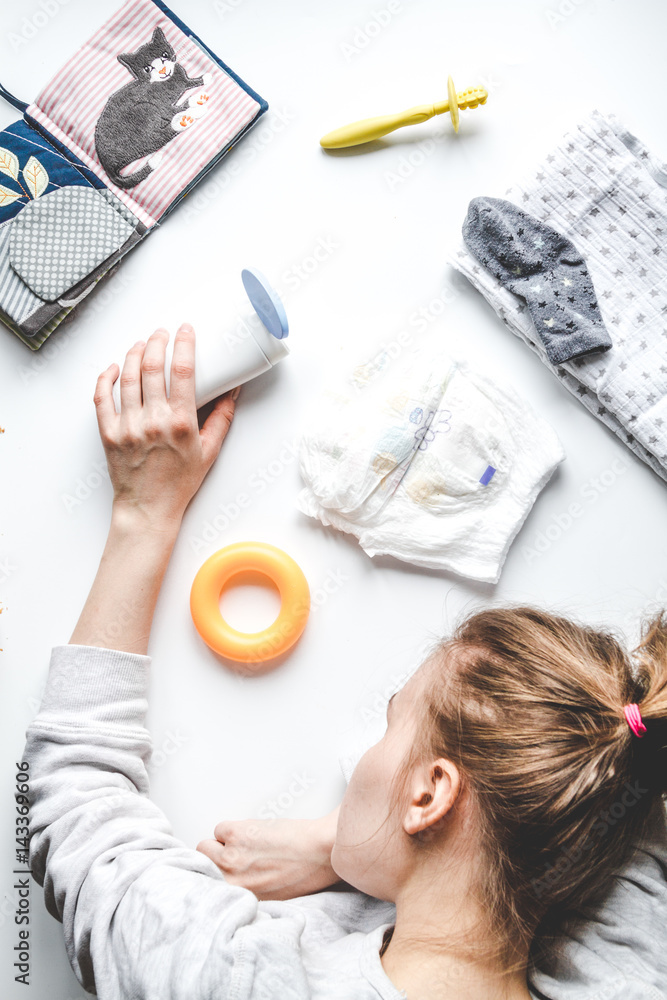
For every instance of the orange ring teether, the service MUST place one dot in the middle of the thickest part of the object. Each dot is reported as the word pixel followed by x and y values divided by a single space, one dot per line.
pixel 213 575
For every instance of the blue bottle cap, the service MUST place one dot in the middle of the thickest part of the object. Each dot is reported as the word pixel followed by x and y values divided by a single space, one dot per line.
pixel 265 301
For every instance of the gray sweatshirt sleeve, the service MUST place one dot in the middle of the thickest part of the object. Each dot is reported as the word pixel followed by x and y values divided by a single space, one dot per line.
pixel 144 916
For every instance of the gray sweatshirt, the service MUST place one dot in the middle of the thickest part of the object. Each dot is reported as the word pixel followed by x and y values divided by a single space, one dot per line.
pixel 146 917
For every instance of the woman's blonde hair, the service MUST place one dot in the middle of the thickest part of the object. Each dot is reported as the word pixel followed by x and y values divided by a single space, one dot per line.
pixel 529 706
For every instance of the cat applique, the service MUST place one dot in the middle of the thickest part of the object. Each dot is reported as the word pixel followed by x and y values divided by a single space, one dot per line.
pixel 145 114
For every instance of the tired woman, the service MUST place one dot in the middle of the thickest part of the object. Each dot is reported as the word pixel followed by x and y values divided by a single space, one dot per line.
pixel 504 840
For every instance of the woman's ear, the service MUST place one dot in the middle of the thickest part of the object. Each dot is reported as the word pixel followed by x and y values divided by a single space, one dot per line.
pixel 433 793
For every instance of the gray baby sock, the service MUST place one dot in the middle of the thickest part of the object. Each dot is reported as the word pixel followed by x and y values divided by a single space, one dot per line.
pixel 543 267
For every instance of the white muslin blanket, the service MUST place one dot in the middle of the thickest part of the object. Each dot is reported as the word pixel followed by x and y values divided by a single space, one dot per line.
pixel 426 460
pixel 607 193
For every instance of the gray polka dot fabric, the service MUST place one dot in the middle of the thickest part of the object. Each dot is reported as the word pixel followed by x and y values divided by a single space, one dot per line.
pixel 61 237
pixel 119 207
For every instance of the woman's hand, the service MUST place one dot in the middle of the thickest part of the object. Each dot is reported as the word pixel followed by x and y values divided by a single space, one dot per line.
pixel 156 454
pixel 157 458
pixel 276 858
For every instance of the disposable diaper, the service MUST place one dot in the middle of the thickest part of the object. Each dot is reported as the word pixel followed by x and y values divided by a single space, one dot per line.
pixel 427 460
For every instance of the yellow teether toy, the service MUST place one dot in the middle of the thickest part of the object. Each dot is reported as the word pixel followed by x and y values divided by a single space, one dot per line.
pixel 215 574
pixel 375 128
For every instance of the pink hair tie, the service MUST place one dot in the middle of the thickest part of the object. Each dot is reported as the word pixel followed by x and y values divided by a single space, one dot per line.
pixel 634 719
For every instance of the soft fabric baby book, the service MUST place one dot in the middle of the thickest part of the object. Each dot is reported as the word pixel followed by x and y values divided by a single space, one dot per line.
pixel 111 144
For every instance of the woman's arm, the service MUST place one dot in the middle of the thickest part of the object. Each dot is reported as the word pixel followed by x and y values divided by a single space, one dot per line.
pixel 276 858
pixel 129 577
pixel 157 458
pixel 143 914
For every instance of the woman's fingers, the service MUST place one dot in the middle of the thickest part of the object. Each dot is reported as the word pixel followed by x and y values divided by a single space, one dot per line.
pixel 104 404
pixel 182 374
pixel 223 831
pixel 213 849
pixel 130 379
pixel 216 425
pixel 152 368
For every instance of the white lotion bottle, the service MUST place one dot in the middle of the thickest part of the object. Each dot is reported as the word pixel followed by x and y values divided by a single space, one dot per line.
pixel 255 344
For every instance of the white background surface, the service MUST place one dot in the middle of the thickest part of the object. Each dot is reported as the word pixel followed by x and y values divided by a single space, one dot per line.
pixel 387 213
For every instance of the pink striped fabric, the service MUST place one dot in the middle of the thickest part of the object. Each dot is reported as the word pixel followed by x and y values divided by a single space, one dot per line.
pixel 72 101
